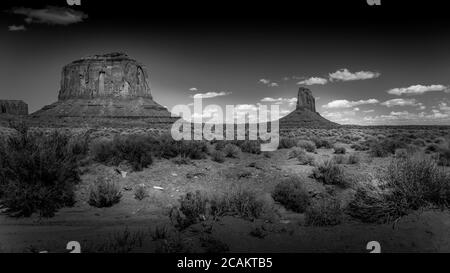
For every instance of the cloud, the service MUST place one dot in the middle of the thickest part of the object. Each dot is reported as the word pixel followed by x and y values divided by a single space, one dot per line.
pixel 193 89
pixel 401 102
pixel 17 28
pixel 345 75
pixel 268 82
pixel 51 15
pixel 369 111
pixel 264 81
pixel 313 80
pixel 209 95
pixel 417 89
pixel 280 100
pixel 348 104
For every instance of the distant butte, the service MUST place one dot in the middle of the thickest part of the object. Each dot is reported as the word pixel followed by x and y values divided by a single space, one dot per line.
pixel 106 86
pixel 13 107
pixel 305 114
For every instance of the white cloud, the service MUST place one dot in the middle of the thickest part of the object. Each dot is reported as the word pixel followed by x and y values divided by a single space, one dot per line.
pixel 209 95
pixel 401 102
pixel 417 89
pixel 369 111
pixel 268 82
pixel 17 28
pixel 443 106
pixel 193 89
pixel 280 100
pixel 348 104
pixel 264 81
pixel 51 15
pixel 346 75
pixel 313 80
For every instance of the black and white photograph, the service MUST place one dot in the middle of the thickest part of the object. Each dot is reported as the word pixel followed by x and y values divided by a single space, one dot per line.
pixel 224 127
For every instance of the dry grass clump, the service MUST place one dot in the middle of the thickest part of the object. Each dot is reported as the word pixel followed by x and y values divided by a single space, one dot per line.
pixel 38 172
pixel 104 193
pixel 292 194
pixel 218 156
pixel 231 150
pixel 309 146
pixel 330 173
pixel 287 143
pixel 302 156
pixel 324 212
pixel 339 150
pixel 322 143
pixel 408 184
pixel 198 206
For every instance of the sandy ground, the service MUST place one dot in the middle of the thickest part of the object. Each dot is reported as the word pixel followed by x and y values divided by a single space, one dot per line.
pixel 285 231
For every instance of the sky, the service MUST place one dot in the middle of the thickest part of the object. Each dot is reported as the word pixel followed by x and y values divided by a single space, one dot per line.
pixel 366 65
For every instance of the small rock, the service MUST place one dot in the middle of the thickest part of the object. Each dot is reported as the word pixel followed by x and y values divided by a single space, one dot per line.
pixel 174 174
pixel 158 188
pixel 127 188
pixel 285 222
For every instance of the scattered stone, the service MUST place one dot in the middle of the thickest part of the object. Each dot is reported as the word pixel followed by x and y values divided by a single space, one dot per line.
pixel 158 188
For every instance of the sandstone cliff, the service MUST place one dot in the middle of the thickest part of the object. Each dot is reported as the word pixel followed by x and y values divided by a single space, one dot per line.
pixel 13 107
pixel 106 86
pixel 305 114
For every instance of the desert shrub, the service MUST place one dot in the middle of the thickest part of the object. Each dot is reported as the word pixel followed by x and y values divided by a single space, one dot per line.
pixel 249 146
pixel 123 241
pixel 292 194
pixel 240 202
pixel 417 181
pixel 419 142
pixel 359 147
pixel 306 159
pixel 339 159
pixel 38 173
pixel 140 193
pixel 353 159
pixel 193 207
pixel 432 148
pixel 179 160
pixel 339 149
pixel 401 153
pixel 444 157
pixel 309 146
pixel 322 143
pixel 104 193
pixel 325 212
pixel 218 156
pixel 330 173
pixel 231 150
pixel 371 205
pixel 385 147
pixel 287 143
pixel 136 150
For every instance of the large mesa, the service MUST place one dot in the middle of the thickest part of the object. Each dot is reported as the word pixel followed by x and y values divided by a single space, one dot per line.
pixel 305 114
pixel 106 86
pixel 13 107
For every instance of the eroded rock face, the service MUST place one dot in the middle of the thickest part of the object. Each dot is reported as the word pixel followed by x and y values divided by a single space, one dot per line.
pixel 13 107
pixel 305 114
pixel 109 75
pixel 306 100
pixel 106 86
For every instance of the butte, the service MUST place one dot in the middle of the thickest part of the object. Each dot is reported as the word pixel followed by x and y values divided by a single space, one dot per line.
pixel 106 87
pixel 305 115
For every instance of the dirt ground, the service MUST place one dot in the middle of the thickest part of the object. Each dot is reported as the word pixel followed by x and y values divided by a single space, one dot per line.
pixel 427 230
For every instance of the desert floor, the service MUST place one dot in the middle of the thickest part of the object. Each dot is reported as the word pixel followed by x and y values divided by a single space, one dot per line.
pixel 426 230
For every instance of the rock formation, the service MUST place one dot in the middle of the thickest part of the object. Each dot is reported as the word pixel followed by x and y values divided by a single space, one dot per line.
pixel 106 86
pixel 306 100
pixel 13 107
pixel 305 114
